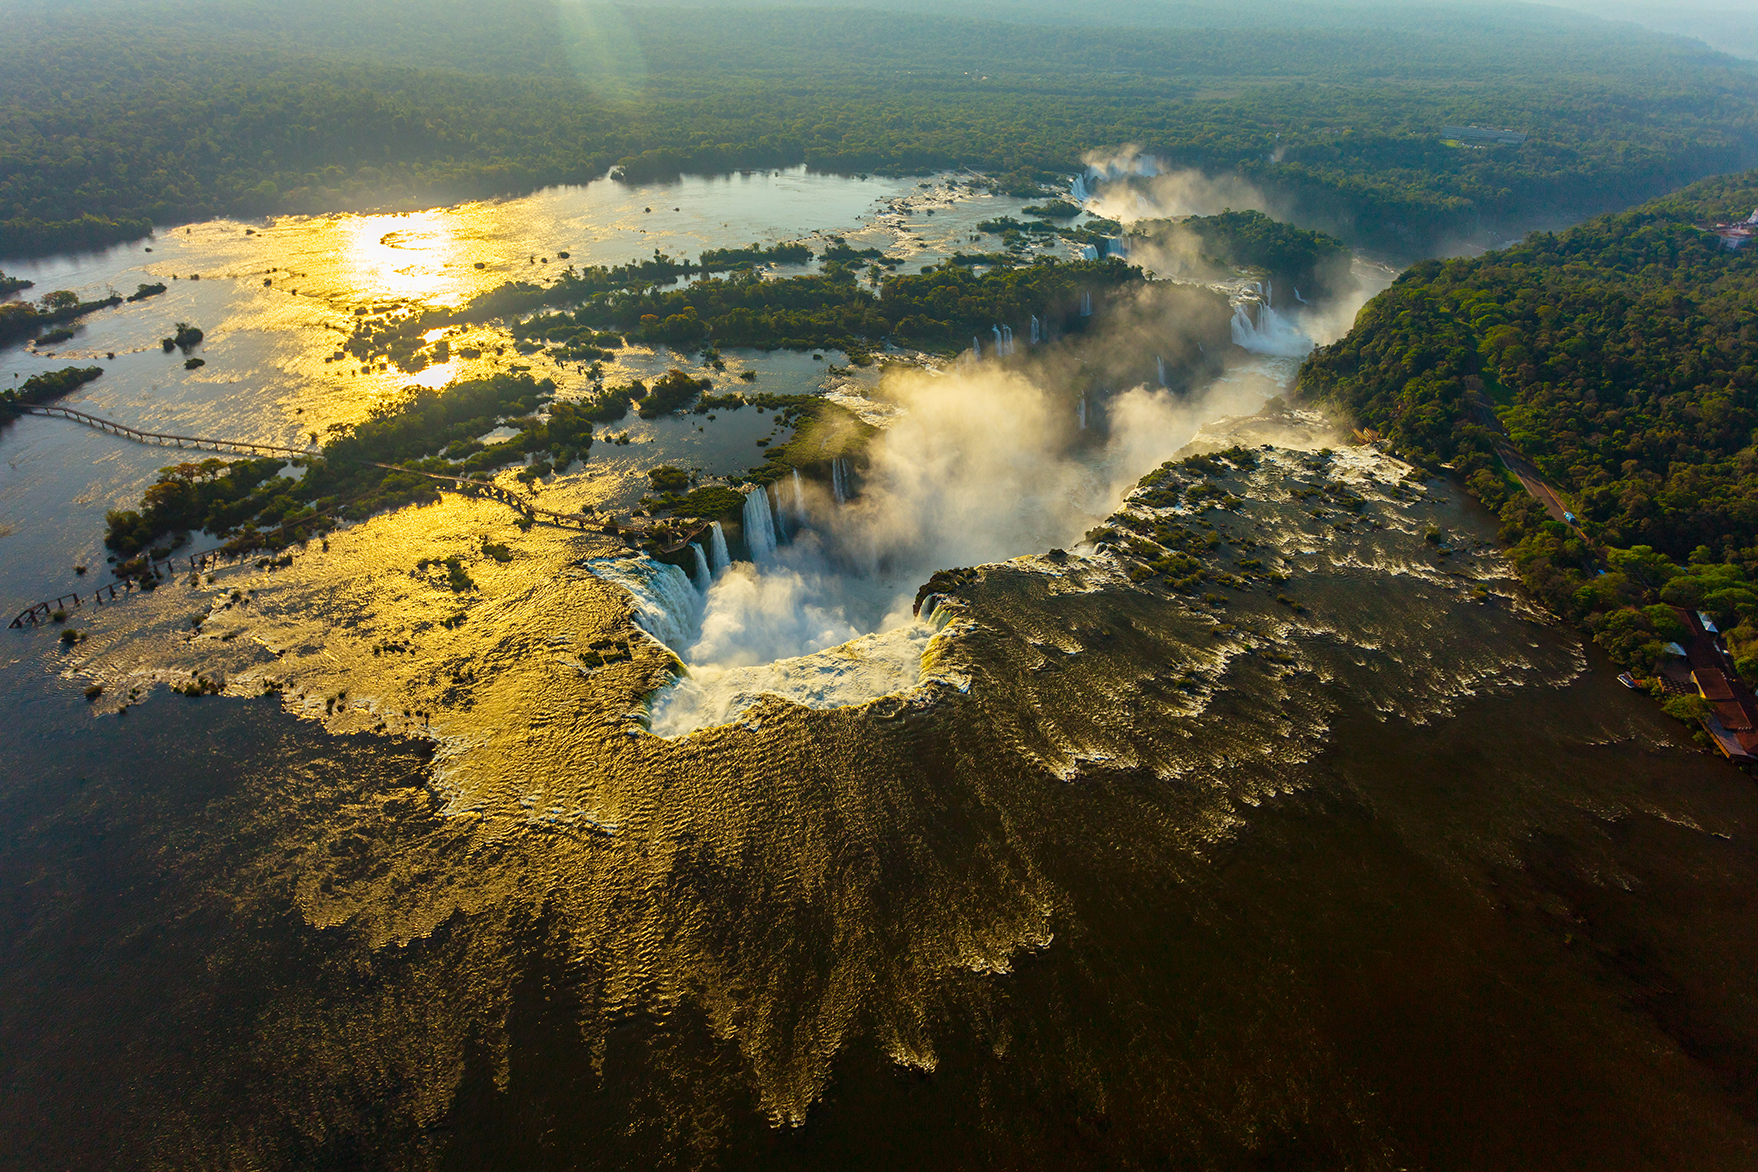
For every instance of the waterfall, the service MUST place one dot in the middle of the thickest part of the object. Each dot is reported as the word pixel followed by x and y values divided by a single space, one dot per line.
pixel 1299 298
pixel 839 480
pixel 1088 252
pixel 703 578
pixel 1078 193
pixel 1037 332
pixel 1161 364
pixel 1000 350
pixel 1269 334
pixel 666 605
pixel 976 347
pixel 1117 247
pixel 1082 412
pixel 1086 305
pixel 1269 293
pixel 718 557
pixel 759 524
pixel 799 499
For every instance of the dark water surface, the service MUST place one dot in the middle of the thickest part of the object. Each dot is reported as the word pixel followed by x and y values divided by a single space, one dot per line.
pixel 1400 880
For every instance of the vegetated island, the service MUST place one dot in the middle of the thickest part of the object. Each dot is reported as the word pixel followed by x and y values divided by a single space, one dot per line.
pixel 432 434
pixel 593 311
pixel 1293 258
pixel 44 388
pixel 22 320
pixel 1616 364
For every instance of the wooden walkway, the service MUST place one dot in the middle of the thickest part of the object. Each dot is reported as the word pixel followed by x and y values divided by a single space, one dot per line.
pixel 43 611
pixel 166 440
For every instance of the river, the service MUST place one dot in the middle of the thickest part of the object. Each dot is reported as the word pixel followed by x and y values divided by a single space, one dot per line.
pixel 1374 866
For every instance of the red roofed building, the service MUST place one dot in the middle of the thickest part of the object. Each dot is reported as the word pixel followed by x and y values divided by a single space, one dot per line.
pixel 1733 711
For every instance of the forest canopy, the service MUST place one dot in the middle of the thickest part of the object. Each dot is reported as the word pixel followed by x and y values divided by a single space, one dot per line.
pixel 113 115
pixel 1621 358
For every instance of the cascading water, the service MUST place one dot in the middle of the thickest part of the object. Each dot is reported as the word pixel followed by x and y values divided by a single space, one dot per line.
pixel 759 525
pixel 1299 298
pixel 799 499
pixel 666 604
pixel 976 347
pixel 703 577
pixel 1269 334
pixel 1086 305
pixel 1081 411
pixel 1160 364
pixel 718 556
pixel 838 481
pixel 1000 349
pixel 1037 331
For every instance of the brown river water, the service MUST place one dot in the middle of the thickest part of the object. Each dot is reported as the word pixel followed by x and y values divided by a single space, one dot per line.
pixel 1072 873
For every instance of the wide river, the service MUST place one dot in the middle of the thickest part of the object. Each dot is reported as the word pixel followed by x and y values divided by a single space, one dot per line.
pixel 1376 867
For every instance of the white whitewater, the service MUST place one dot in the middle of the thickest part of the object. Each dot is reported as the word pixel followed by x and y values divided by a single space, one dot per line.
pixel 839 481
pixel 759 525
pixel 666 605
pixel 853 672
pixel 1086 305
pixel 1037 330
pixel 718 556
pixel 799 499
pixel 1271 333
pixel 703 577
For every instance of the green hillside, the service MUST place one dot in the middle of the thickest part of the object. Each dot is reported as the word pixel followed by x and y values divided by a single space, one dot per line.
pixel 1620 357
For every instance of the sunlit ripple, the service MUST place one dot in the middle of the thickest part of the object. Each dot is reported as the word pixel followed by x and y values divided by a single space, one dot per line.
pixel 405 257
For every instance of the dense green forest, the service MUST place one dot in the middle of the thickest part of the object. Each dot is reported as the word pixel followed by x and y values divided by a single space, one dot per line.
pixel 1252 240
pixel 44 388
pixel 940 308
pixel 114 114
pixel 246 501
pixel 1621 357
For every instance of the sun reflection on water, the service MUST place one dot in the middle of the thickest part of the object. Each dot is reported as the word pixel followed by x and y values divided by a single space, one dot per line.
pixel 406 257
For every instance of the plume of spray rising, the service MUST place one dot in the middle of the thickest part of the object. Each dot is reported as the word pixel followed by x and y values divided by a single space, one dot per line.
pixel 1129 185
pixel 981 464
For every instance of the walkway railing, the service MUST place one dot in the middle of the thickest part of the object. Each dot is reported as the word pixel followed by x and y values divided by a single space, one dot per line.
pixel 166 440
pixel 43 611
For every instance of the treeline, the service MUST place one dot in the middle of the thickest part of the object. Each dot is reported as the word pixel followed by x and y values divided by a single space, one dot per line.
pixel 1621 357
pixel 159 111
pixel 44 388
pixel 1252 240
pixel 245 503
pixel 21 319
pixel 941 309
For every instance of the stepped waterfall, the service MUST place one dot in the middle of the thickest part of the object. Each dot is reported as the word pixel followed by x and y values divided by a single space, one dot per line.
pixel 759 525
pixel 718 557
pixel 702 576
